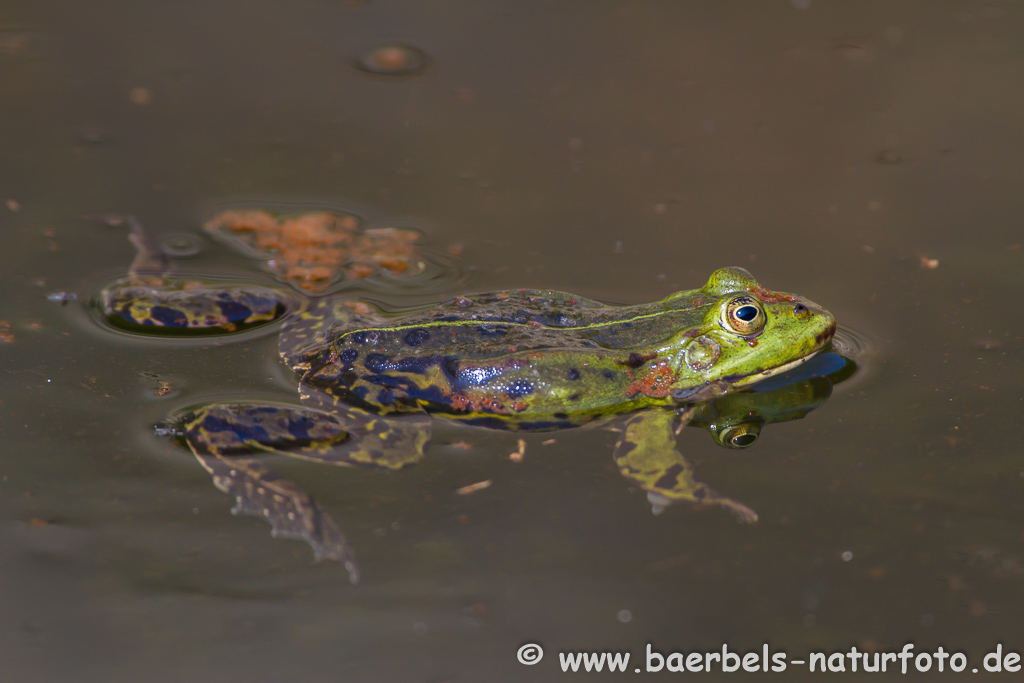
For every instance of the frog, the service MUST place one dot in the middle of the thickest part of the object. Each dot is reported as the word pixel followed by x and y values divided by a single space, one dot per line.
pixel 522 360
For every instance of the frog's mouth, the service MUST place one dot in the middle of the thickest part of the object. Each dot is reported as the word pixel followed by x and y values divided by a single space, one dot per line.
pixel 822 340
pixel 770 372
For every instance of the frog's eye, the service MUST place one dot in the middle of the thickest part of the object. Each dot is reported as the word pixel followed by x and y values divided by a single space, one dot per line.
pixel 744 315
pixel 740 436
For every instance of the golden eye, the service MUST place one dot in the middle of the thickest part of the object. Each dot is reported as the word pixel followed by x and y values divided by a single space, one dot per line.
pixel 740 436
pixel 744 316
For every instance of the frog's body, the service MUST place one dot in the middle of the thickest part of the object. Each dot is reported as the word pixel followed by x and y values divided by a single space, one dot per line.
pixel 536 360
pixel 520 360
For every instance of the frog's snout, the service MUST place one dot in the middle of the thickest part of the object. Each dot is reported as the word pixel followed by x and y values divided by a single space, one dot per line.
pixel 805 309
pixel 825 337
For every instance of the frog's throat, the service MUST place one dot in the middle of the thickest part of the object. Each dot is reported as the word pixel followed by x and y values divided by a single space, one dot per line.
pixel 765 374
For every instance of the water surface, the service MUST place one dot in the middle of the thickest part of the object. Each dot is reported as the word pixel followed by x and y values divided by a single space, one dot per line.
pixel 866 155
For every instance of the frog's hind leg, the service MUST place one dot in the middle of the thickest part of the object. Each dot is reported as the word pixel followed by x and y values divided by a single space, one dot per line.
pixel 310 330
pixel 151 264
pixel 646 453
pixel 225 436
pixel 291 512
pixel 391 442
pixel 344 436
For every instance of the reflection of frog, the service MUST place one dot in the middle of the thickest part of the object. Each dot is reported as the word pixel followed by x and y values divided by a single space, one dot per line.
pixel 735 420
pixel 523 360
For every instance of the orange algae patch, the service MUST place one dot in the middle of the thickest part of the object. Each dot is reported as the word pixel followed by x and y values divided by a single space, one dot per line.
pixel 656 383
pixel 770 297
pixel 477 404
pixel 314 250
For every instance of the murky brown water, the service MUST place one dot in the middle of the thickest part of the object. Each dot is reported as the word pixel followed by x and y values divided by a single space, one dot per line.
pixel 865 155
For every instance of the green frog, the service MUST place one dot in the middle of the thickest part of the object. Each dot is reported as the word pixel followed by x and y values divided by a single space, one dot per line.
pixel 520 360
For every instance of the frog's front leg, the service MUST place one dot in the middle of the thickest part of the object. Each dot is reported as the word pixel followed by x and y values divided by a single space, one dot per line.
pixel 647 454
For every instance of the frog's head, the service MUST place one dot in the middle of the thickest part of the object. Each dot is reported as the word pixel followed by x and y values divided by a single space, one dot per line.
pixel 747 333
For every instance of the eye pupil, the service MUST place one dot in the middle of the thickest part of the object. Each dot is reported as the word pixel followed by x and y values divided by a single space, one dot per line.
pixel 743 440
pixel 743 315
pixel 746 313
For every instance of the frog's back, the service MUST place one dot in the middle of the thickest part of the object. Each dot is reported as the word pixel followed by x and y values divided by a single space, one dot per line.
pixel 522 355
pixel 482 326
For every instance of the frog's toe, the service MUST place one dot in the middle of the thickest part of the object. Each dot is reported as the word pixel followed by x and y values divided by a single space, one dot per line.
pixel 702 496
pixel 707 496
pixel 742 512
pixel 658 502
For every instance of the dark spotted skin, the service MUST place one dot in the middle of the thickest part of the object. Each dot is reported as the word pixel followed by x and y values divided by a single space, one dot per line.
pixel 149 300
pixel 531 359
pixel 196 309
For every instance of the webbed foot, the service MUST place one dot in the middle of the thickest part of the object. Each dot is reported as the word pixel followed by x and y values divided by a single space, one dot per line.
pixel 646 453
pixel 292 512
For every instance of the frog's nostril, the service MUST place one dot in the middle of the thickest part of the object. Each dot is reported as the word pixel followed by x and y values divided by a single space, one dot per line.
pixel 799 308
